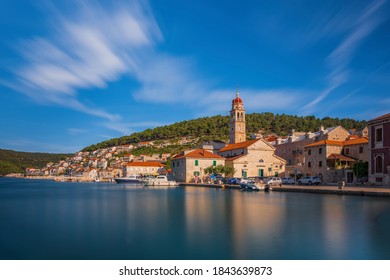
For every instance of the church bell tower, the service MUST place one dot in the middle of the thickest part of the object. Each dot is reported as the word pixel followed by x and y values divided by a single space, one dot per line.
pixel 237 120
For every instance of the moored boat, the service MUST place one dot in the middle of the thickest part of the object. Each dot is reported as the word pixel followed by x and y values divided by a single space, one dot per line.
pixel 132 179
pixel 161 180
pixel 249 187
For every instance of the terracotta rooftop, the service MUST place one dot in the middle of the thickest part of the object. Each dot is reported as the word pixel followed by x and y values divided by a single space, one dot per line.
pixel 326 142
pixel 234 157
pixel 240 145
pixel 362 140
pixel 381 117
pixel 340 157
pixel 199 153
pixel 357 141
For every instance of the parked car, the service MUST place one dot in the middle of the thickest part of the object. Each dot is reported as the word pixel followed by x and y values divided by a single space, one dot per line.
pixel 234 181
pixel 218 179
pixel 288 180
pixel 274 181
pixel 247 181
pixel 309 180
pixel 256 179
pixel 363 180
pixel 225 180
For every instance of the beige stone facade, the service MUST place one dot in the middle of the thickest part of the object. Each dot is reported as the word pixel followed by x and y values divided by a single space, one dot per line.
pixel 333 160
pixel 253 158
pixel 143 168
pixel 293 148
pixel 191 165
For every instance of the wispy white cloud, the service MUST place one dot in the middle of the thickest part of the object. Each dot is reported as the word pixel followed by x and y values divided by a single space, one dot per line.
pixel 340 58
pixel 168 79
pixel 127 128
pixel 86 50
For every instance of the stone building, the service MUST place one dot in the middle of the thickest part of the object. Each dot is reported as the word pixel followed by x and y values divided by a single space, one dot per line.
pixel 379 150
pixel 191 164
pixel 292 149
pixel 143 168
pixel 333 160
pixel 253 158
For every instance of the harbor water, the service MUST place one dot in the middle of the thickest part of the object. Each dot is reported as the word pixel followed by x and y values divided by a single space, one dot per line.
pixel 55 220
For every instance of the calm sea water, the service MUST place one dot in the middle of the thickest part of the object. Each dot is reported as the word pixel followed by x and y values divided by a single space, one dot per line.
pixel 53 220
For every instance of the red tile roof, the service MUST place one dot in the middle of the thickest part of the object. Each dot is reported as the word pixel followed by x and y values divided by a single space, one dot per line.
pixel 362 140
pixel 234 157
pixel 146 163
pixel 240 145
pixel 340 157
pixel 326 142
pixel 381 117
pixel 199 153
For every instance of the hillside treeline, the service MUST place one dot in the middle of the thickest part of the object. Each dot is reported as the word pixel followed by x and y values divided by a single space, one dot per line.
pixel 217 128
pixel 17 162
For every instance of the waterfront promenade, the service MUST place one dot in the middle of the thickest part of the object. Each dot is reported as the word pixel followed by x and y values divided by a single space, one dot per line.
pixel 327 189
pixel 361 190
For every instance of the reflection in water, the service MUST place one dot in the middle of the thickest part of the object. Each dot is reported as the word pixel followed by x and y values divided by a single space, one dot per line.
pixel 48 220
pixel 335 227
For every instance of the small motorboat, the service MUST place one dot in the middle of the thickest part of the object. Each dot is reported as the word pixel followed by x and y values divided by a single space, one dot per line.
pixel 132 179
pixel 161 180
pixel 249 187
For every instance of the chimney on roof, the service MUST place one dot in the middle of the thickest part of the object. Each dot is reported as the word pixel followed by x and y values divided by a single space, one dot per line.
pixel 207 147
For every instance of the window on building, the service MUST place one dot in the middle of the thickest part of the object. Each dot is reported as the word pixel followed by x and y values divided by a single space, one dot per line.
pixel 309 152
pixel 347 151
pixel 196 162
pixel 320 163
pixel 309 164
pixel 320 150
pixel 178 164
pixel 379 164
pixel 214 163
pixel 196 173
pixel 173 164
pixel 360 150
pixel 379 135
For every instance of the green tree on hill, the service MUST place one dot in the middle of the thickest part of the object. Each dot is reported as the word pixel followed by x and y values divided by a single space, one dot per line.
pixel 217 127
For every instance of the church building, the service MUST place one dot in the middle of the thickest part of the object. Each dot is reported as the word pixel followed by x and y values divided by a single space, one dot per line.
pixel 250 158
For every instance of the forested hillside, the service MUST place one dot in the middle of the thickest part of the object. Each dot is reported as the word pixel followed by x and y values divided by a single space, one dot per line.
pixel 17 162
pixel 217 128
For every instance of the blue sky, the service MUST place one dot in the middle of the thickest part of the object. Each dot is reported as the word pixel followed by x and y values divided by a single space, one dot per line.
pixel 74 73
